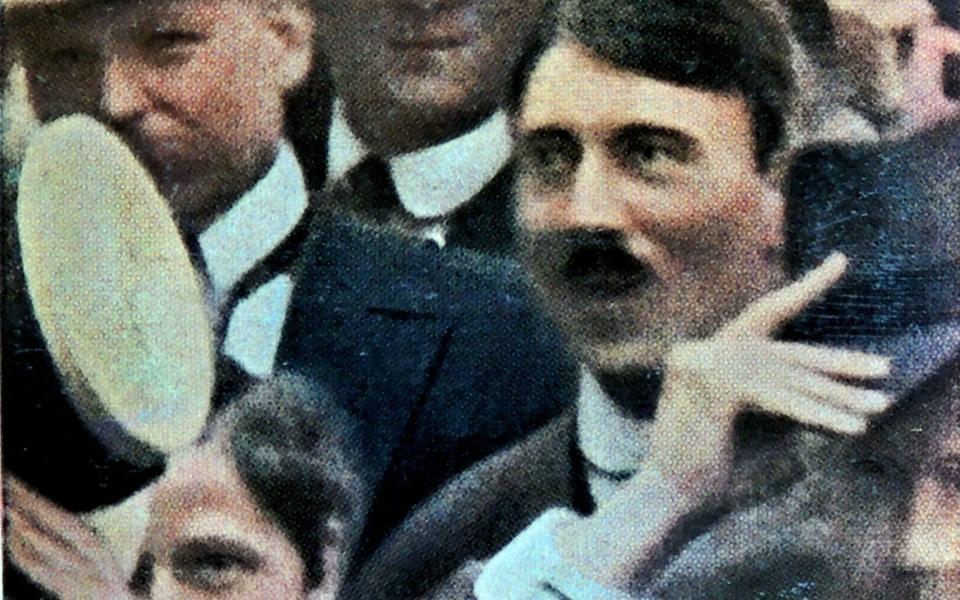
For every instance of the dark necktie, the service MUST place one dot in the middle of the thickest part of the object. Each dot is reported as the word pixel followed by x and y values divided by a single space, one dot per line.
pixel 373 194
pixel 372 197
pixel 231 379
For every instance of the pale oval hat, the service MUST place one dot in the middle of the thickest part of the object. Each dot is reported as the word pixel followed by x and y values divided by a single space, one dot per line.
pixel 117 298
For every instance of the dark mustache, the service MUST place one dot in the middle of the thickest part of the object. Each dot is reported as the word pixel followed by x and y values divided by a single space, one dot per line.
pixel 587 252
pixel 595 260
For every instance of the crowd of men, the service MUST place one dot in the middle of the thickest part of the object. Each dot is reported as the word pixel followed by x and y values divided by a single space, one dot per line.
pixel 512 299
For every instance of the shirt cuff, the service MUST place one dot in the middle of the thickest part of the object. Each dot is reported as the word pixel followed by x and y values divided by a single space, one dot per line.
pixel 530 568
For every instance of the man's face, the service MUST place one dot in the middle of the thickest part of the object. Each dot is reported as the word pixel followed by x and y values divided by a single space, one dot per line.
pixel 646 221
pixel 451 56
pixel 194 86
pixel 875 41
pixel 931 548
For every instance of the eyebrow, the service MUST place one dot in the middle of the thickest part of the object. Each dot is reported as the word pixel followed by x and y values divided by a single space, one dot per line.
pixel 248 556
pixel 548 134
pixel 142 578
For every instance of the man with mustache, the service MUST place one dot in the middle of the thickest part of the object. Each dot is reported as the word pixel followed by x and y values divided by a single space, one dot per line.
pixel 417 139
pixel 197 89
pixel 645 132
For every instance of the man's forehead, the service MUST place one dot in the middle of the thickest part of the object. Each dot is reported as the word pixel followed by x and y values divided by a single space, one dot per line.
pixel 22 13
pixel 570 87
pixel 58 13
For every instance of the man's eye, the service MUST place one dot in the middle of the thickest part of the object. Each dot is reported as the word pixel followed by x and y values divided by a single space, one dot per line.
pixel 652 152
pixel 213 566
pixel 171 41
pixel 70 58
pixel 639 155
pixel 551 158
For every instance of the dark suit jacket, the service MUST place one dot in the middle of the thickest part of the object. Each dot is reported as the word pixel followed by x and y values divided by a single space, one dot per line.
pixel 812 515
pixel 443 355
pixel 439 355
pixel 484 224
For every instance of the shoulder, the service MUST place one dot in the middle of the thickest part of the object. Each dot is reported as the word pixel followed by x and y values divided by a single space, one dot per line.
pixel 473 515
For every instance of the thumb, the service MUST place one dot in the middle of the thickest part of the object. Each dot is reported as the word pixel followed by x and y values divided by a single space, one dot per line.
pixel 766 315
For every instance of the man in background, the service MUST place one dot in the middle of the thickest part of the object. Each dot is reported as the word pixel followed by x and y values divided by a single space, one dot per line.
pixel 417 139
pixel 400 334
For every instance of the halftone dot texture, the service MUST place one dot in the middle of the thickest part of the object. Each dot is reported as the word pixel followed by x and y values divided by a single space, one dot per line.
pixel 113 288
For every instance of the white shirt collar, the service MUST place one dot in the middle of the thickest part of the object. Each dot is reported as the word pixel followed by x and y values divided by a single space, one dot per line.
pixel 255 224
pixel 434 181
pixel 608 438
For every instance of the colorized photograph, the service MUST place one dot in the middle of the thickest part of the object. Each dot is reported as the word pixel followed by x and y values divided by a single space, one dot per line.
pixel 480 299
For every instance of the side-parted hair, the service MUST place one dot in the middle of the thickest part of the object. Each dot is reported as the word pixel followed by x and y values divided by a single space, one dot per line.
pixel 294 450
pixel 726 46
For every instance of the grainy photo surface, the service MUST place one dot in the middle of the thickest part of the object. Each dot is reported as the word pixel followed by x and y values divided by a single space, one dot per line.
pixel 480 299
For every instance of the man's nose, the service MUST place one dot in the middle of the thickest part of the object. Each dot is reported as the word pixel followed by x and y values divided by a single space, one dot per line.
pixel 122 96
pixel 164 586
pixel 595 201
pixel 932 539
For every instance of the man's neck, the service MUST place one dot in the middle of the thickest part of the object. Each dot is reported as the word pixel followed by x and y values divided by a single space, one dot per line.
pixel 223 199
pixel 389 129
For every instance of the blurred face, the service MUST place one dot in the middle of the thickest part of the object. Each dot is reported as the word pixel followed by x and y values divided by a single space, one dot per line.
pixel 430 55
pixel 932 544
pixel 195 86
pixel 645 218
pixel 207 538
pixel 876 40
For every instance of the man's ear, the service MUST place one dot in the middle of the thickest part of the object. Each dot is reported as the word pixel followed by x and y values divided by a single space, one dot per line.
pixel 293 24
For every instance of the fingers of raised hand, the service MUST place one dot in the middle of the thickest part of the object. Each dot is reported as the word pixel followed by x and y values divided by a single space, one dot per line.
pixel 811 410
pixel 807 383
pixel 52 565
pixel 837 362
pixel 844 396
pixel 43 517
pixel 43 545
pixel 766 315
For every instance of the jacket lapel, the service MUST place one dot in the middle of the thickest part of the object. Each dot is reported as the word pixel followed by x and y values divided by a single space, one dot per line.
pixel 365 310
pixel 486 222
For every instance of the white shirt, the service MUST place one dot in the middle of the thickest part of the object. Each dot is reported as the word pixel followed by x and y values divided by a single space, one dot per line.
pixel 530 567
pixel 253 227
pixel 432 182
pixel 608 438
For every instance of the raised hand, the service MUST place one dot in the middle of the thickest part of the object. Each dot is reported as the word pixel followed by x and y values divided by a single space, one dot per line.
pixel 58 550
pixel 708 383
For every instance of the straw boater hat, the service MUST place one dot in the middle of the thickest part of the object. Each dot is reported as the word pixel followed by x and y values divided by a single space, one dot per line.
pixel 119 303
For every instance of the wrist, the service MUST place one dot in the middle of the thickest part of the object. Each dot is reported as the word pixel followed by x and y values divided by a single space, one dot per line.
pixel 626 531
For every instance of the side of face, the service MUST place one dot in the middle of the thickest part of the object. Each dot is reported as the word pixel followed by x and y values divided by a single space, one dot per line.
pixel 876 40
pixel 208 538
pixel 645 218
pixel 195 86
pixel 931 545
pixel 451 56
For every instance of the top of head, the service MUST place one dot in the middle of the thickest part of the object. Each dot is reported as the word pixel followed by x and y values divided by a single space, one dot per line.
pixel 113 288
pixel 17 10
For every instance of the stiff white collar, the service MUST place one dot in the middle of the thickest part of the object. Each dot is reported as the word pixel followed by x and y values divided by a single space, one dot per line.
pixel 255 224
pixel 608 438
pixel 434 181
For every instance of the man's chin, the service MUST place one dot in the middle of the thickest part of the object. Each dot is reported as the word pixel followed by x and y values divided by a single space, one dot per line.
pixel 618 356
pixel 436 91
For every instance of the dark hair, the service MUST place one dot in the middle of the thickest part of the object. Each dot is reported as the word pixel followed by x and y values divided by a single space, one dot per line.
pixel 728 46
pixel 292 447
